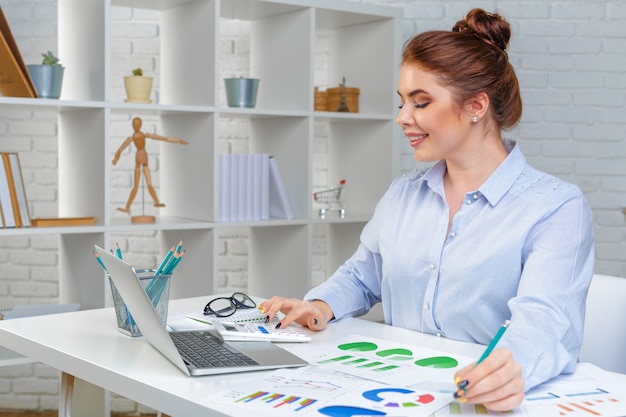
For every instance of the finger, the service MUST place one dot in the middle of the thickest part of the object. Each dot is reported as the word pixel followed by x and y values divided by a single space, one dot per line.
pixel 273 306
pixel 503 399
pixel 303 313
pixel 265 305
pixel 461 374
pixel 496 380
pixel 276 303
pixel 495 371
pixel 316 322
pixel 314 317
pixel 293 315
pixel 474 374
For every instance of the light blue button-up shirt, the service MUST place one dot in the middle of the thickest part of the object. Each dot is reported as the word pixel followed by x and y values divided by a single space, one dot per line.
pixel 520 248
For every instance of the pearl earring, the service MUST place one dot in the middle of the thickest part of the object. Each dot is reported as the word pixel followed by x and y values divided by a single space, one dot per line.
pixel 475 119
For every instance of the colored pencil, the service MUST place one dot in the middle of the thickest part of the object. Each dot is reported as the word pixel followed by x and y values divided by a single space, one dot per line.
pixel 494 341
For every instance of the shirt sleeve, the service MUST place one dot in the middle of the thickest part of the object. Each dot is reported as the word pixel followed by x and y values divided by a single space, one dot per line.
pixel 356 285
pixel 547 314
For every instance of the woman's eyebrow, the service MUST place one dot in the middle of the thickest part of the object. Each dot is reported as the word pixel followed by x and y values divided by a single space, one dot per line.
pixel 414 92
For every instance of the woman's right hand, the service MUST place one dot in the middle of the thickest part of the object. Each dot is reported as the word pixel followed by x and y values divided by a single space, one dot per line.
pixel 313 314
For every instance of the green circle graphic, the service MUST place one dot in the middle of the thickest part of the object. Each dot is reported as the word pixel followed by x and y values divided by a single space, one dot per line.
pixel 398 354
pixel 437 362
pixel 358 346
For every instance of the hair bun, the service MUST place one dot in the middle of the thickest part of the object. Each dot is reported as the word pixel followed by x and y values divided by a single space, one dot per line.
pixel 488 27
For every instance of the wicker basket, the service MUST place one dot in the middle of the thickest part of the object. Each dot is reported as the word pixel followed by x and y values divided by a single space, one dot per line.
pixel 321 100
pixel 352 98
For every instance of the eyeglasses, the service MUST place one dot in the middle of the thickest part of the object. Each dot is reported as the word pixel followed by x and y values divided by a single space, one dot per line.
pixel 227 306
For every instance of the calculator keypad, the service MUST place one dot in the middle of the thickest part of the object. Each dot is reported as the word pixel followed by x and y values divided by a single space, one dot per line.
pixel 287 332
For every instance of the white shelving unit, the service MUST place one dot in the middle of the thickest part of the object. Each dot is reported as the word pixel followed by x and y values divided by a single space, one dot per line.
pixel 365 49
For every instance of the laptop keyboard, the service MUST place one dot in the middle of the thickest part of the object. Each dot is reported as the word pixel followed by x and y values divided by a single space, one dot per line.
pixel 205 350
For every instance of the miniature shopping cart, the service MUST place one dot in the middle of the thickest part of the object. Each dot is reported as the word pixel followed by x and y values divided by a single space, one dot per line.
pixel 332 199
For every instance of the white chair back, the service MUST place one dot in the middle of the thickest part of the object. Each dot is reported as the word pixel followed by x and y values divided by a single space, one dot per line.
pixel 604 342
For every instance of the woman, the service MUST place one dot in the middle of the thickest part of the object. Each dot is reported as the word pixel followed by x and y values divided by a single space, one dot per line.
pixel 479 238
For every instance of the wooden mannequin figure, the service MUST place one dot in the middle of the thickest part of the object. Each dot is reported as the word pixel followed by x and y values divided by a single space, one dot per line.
pixel 141 161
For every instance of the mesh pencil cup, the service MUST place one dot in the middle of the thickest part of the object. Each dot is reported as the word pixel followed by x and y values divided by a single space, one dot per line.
pixel 158 289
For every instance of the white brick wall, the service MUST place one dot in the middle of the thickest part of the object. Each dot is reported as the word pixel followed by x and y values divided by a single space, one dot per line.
pixel 570 58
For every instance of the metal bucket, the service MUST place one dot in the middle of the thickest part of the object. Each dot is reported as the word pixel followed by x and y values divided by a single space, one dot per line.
pixel 241 92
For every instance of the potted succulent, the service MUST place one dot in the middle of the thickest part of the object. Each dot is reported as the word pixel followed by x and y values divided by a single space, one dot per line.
pixel 138 87
pixel 47 76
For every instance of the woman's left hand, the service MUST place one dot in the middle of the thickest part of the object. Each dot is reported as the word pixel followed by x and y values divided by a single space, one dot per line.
pixel 496 383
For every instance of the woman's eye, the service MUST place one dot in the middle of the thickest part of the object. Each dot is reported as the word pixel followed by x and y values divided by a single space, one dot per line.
pixel 416 105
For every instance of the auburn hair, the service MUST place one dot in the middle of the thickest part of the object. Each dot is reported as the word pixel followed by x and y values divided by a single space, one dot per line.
pixel 471 59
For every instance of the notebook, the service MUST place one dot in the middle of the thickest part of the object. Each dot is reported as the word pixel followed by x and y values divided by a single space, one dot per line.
pixel 238 356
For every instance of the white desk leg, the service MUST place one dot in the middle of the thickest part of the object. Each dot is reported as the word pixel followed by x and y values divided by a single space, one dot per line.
pixel 66 394
pixel 89 401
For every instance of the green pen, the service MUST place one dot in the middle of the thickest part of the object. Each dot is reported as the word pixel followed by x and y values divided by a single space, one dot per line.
pixel 462 385
pixel 494 342
pixel 200 320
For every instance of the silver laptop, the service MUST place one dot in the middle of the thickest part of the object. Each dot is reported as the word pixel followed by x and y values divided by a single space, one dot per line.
pixel 201 359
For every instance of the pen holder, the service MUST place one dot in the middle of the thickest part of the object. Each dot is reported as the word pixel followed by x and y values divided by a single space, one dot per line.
pixel 158 289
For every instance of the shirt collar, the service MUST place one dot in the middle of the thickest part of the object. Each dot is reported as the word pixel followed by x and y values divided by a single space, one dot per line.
pixel 498 183
pixel 503 178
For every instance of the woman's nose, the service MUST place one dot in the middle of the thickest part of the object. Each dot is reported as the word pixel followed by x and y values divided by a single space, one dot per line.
pixel 404 116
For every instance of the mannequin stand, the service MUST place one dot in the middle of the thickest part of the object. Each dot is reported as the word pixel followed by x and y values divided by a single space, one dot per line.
pixel 143 218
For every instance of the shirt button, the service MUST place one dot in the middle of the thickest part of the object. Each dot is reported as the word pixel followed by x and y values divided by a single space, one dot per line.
pixel 426 306
pixel 438 334
pixel 468 202
pixel 475 196
pixel 431 266
pixel 452 234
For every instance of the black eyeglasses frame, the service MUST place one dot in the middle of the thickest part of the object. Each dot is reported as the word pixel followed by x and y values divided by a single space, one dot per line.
pixel 238 300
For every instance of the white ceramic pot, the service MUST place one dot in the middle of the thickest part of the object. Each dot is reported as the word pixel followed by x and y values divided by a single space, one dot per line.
pixel 138 89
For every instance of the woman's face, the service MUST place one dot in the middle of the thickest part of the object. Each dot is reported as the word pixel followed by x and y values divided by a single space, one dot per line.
pixel 429 117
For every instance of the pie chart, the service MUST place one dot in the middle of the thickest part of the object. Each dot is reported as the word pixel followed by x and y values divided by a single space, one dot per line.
pixel 359 346
pixel 437 362
pixel 348 411
pixel 378 395
pixel 398 354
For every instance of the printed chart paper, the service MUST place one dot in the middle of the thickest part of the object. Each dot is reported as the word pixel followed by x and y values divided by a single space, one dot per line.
pixel 455 409
pixel 464 409
pixel 577 395
pixel 316 391
pixel 383 360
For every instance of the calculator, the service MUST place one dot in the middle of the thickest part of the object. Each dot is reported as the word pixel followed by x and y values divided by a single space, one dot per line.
pixel 248 331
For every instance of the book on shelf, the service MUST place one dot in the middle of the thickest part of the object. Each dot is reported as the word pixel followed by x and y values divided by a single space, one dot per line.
pixel 63 221
pixel 280 206
pixel 13 201
pixel 224 188
pixel 15 79
pixel 251 189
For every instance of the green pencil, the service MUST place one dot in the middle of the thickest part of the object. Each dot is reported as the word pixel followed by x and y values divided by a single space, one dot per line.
pixel 494 342
pixel 165 261
pixel 100 260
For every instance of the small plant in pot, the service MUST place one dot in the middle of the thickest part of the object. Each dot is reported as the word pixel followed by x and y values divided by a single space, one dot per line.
pixel 47 76
pixel 138 87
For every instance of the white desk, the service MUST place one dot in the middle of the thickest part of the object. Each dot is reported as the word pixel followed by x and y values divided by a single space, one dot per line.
pixel 9 358
pixel 87 345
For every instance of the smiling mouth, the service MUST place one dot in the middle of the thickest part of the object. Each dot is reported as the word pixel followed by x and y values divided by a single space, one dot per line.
pixel 417 139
